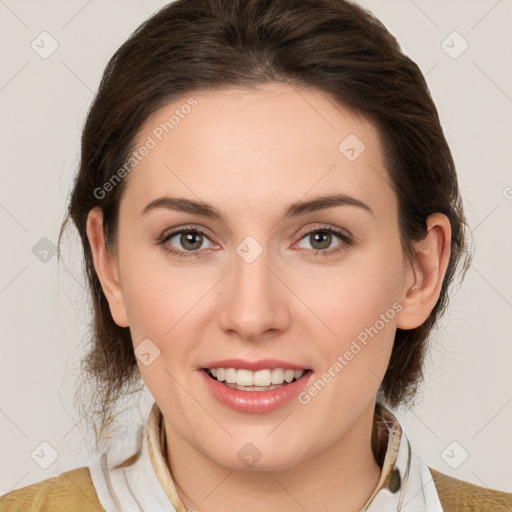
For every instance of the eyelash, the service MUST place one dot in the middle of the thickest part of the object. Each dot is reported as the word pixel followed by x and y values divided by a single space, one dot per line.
pixel 347 241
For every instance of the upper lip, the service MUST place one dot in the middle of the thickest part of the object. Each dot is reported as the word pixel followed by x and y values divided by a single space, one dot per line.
pixel 261 364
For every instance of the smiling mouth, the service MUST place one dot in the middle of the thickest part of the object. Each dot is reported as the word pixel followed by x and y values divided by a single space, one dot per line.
pixel 261 380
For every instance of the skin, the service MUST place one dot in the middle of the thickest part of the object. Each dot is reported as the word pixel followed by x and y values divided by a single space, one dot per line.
pixel 251 152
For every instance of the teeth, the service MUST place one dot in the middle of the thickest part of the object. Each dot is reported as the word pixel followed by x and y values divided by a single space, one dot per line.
pixel 231 376
pixel 277 376
pixel 252 388
pixel 289 375
pixel 258 379
pixel 248 378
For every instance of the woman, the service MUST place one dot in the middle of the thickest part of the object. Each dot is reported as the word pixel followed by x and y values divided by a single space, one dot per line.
pixel 271 220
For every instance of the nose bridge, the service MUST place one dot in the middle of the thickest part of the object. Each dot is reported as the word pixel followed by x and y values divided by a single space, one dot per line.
pixel 254 302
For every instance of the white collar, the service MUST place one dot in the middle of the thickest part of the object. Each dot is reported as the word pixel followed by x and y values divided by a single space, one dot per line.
pixel 143 483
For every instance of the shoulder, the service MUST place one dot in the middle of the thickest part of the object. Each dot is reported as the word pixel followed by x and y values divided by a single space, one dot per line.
pixel 71 490
pixel 460 496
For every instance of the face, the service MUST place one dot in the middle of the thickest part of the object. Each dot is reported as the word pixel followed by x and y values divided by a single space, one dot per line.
pixel 268 277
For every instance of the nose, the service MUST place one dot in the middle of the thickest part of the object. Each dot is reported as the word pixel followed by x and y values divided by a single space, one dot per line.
pixel 254 301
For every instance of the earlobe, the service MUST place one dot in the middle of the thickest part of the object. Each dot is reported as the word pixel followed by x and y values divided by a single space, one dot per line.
pixel 106 267
pixel 425 274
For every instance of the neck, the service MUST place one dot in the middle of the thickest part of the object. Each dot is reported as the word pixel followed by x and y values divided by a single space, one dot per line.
pixel 341 478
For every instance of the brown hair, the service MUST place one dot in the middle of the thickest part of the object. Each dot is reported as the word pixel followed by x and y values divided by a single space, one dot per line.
pixel 331 45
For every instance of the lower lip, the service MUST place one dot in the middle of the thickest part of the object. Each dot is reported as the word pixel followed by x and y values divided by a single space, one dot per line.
pixel 255 401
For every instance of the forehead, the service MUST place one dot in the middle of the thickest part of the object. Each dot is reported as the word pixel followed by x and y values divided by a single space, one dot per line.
pixel 243 146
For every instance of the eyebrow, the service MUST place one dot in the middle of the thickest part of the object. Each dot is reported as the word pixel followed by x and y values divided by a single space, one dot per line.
pixel 294 210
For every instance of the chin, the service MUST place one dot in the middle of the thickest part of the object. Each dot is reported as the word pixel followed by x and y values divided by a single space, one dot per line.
pixel 257 456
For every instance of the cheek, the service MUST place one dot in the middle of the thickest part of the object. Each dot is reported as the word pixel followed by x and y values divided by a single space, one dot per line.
pixel 156 294
pixel 355 359
pixel 352 297
pixel 166 305
pixel 359 305
pixel 149 306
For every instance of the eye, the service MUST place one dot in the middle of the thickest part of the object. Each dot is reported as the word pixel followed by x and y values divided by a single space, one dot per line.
pixel 320 240
pixel 189 240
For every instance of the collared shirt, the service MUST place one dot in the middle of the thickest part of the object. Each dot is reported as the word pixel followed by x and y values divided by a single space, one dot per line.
pixel 143 483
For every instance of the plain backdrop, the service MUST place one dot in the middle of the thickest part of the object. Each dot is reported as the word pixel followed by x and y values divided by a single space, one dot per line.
pixel 462 423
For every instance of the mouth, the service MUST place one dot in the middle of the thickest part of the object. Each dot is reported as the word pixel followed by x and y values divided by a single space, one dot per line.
pixel 255 387
pixel 268 379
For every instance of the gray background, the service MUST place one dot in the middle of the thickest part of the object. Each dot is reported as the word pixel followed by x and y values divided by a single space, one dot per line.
pixel 466 406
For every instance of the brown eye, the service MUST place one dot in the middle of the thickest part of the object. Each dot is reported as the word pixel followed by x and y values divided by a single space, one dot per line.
pixel 185 242
pixel 320 240
pixel 191 240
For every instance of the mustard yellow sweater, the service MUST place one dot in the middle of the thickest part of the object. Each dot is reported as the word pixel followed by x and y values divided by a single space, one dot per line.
pixel 73 491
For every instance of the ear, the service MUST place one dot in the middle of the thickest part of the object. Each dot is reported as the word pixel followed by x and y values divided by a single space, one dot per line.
pixel 425 273
pixel 107 267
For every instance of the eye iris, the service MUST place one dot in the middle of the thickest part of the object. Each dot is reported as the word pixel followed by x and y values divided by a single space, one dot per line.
pixel 192 240
pixel 325 235
pixel 189 237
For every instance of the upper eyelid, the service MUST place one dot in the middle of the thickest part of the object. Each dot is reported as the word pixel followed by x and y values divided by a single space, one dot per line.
pixel 336 231
pixel 176 231
pixel 343 235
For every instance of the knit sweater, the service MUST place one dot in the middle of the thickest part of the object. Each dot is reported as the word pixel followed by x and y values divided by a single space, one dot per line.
pixel 80 489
